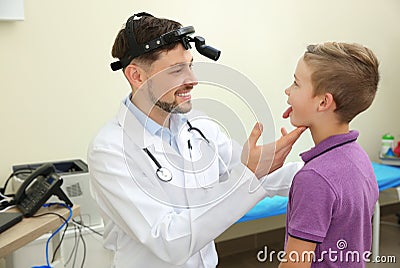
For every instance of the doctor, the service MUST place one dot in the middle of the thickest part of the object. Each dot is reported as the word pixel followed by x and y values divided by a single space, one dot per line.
pixel 166 179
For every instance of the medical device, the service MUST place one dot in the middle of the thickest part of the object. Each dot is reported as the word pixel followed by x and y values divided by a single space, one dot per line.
pixel 163 173
pixel 178 35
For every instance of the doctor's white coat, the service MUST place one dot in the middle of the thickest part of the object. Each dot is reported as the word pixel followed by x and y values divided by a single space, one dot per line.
pixel 151 223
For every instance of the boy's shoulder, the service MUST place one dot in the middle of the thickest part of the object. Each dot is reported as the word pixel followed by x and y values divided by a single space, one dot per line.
pixel 337 170
pixel 341 160
pixel 312 180
pixel 338 155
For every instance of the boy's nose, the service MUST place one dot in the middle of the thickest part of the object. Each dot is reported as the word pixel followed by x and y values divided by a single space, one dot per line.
pixel 287 91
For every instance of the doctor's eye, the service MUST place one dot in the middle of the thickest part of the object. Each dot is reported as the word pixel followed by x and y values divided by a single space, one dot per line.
pixel 178 68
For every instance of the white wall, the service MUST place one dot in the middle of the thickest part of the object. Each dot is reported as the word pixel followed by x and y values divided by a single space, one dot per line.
pixel 56 88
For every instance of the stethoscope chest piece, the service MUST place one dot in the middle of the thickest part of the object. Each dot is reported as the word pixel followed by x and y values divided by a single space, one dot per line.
pixel 164 174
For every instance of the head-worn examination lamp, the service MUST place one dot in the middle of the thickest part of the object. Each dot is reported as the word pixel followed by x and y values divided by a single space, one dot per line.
pixel 178 35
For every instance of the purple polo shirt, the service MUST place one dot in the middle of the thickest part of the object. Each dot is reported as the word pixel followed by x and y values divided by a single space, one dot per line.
pixel 331 202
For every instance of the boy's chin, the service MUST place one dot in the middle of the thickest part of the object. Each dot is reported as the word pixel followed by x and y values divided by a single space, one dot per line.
pixel 295 124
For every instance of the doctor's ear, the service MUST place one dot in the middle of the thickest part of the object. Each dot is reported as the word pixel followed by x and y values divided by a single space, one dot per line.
pixel 326 102
pixel 135 75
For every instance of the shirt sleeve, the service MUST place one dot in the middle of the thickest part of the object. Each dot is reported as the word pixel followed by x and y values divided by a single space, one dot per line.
pixel 311 202
pixel 279 181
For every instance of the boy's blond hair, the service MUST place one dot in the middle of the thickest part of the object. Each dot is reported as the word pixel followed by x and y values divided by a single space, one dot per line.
pixel 348 71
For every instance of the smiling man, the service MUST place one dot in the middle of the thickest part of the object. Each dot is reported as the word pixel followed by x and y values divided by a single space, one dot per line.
pixel 168 184
pixel 163 87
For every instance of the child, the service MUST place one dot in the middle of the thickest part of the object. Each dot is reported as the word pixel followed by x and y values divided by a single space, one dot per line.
pixel 332 198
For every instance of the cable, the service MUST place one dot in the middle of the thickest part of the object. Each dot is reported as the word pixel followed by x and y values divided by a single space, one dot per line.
pixel 77 247
pixel 84 251
pixel 84 248
pixel 27 170
pixel 7 208
pixel 88 227
pixel 62 237
pixel 63 234
pixel 59 244
pixel 59 228
pixel 54 233
pixel 4 197
pixel 73 255
pixel 72 251
pixel 76 224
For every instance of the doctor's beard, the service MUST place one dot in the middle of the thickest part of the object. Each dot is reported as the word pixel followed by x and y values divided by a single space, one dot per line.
pixel 171 107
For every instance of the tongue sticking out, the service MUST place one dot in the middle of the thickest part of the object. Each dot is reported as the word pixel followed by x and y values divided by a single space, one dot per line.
pixel 287 112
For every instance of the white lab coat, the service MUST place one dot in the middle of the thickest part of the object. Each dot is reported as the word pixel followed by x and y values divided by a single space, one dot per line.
pixel 151 223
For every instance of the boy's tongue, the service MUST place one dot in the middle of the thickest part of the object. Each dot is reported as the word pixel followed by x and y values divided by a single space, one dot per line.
pixel 287 112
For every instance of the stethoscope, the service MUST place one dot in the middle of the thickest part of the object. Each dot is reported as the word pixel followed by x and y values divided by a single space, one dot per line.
pixel 163 173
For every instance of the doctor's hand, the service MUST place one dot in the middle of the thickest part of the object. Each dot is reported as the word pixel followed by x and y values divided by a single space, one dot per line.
pixel 264 159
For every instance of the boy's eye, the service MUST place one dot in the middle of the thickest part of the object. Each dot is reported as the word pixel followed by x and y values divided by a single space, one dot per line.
pixel 295 83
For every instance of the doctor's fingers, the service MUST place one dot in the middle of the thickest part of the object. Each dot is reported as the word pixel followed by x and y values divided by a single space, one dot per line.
pixel 283 146
pixel 255 135
pixel 288 139
pixel 283 131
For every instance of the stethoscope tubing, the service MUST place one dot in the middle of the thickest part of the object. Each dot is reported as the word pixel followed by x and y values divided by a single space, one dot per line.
pixel 163 173
pixel 198 131
pixel 152 157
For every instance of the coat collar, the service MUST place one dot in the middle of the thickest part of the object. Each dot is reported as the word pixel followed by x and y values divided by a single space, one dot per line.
pixel 133 128
pixel 144 139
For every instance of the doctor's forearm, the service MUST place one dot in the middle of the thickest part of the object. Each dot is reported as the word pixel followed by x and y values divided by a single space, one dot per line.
pixel 279 181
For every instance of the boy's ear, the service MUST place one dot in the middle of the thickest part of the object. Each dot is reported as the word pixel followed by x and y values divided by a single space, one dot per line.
pixel 326 102
pixel 135 75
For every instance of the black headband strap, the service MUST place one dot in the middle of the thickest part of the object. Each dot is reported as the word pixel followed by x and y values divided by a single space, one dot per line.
pixel 178 35
pixel 134 48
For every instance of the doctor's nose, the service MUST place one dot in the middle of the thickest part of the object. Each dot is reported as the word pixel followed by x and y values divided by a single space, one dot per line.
pixel 191 79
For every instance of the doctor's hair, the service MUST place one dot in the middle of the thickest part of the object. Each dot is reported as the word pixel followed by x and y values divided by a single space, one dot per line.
pixel 347 71
pixel 145 29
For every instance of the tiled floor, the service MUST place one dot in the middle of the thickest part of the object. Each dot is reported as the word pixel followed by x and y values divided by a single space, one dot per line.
pixel 389 246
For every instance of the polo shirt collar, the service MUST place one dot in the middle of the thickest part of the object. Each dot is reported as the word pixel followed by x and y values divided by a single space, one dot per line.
pixel 329 144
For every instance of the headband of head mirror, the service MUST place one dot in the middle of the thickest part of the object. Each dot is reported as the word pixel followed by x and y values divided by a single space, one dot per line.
pixel 178 35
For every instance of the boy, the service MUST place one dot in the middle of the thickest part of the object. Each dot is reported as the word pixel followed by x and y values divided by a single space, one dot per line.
pixel 332 198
